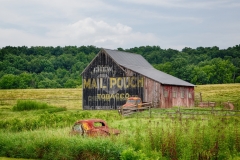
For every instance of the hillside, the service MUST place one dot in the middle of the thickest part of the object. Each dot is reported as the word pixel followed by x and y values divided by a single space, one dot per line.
pixel 60 67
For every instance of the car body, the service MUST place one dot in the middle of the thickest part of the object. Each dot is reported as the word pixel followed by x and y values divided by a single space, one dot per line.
pixel 92 128
pixel 133 104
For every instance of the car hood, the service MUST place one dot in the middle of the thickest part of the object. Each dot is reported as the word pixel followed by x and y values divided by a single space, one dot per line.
pixel 111 130
pixel 129 105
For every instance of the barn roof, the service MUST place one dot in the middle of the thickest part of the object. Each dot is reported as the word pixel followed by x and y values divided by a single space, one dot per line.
pixel 137 63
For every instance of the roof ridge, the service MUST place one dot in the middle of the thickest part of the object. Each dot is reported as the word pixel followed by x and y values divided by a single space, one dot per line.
pixel 123 51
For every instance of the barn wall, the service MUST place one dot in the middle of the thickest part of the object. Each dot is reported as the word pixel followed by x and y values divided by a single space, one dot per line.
pixel 167 96
pixel 152 92
pixel 182 96
pixel 107 85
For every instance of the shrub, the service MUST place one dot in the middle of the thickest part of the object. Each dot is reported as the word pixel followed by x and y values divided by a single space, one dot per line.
pixel 23 105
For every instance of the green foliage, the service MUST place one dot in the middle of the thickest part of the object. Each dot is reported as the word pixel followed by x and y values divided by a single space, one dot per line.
pixel 60 67
pixel 131 154
pixel 24 105
pixel 43 67
pixel 8 81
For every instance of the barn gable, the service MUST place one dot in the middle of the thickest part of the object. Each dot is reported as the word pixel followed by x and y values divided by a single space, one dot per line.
pixel 113 76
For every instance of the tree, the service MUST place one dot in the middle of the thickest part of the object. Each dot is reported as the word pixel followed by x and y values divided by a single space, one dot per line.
pixel 9 81
pixel 199 76
pixel 165 67
pixel 223 70
pixel 71 83
pixel 26 81
pixel 178 66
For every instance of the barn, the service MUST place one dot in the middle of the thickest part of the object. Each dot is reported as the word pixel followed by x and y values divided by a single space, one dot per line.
pixel 113 76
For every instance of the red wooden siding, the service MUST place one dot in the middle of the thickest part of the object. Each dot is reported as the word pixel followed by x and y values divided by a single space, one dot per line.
pixel 167 96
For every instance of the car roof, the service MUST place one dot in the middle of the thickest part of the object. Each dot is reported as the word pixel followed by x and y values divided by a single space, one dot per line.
pixel 91 121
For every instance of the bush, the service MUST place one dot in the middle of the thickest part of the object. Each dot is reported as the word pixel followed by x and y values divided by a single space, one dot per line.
pixel 23 105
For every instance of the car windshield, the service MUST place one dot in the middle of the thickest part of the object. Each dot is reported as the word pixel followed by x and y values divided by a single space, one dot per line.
pixel 98 124
pixel 131 101
pixel 78 128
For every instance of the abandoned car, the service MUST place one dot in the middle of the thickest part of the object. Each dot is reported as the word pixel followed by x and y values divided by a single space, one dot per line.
pixel 92 128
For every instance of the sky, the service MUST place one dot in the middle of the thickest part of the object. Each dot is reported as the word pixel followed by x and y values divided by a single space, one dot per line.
pixel 111 24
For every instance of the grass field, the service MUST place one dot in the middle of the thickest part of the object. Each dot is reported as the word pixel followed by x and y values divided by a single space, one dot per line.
pixel 220 92
pixel 45 134
pixel 69 98
pixel 72 98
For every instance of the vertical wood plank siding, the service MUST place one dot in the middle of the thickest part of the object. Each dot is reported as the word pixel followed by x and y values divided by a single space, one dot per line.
pixel 107 85
pixel 167 96
pixel 184 96
pixel 152 92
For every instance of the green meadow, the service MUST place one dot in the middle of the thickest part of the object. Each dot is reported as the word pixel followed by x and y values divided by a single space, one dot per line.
pixel 35 124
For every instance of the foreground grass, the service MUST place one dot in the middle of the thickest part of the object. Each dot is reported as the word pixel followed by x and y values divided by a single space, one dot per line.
pixel 158 138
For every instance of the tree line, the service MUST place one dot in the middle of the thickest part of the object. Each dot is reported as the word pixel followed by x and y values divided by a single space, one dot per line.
pixel 60 67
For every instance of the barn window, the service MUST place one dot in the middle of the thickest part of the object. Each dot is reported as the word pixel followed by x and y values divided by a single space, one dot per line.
pixel 189 95
pixel 165 93
pixel 182 94
pixel 174 94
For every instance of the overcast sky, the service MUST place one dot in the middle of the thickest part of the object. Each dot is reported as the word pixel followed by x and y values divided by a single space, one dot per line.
pixel 120 23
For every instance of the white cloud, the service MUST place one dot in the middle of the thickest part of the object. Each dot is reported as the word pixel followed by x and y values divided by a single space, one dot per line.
pixel 84 32
pixel 99 33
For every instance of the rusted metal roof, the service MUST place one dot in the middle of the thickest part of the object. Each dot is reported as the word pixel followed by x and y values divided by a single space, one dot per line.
pixel 137 63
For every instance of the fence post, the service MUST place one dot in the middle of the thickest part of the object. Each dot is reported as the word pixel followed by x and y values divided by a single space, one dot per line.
pixel 122 111
pixel 150 111
pixel 212 109
pixel 200 97
pixel 179 109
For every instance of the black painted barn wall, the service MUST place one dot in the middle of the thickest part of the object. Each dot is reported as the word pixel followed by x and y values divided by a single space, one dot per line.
pixel 106 86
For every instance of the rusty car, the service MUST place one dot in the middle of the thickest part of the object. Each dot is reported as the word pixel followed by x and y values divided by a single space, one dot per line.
pixel 133 104
pixel 93 128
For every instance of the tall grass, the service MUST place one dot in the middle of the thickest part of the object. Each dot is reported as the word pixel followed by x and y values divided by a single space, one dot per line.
pixel 163 138
pixel 56 144
pixel 47 119
pixel 23 105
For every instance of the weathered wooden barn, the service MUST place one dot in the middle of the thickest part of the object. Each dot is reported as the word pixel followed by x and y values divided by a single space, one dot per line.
pixel 113 76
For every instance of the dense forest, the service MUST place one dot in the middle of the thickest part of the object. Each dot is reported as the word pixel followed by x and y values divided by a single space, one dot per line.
pixel 60 67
